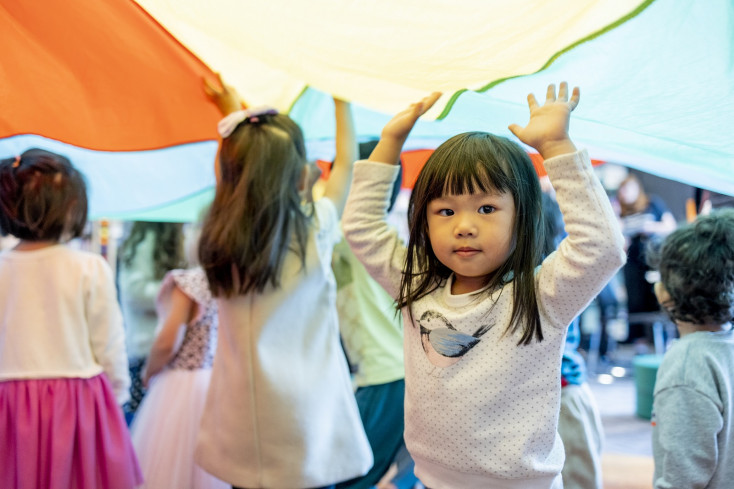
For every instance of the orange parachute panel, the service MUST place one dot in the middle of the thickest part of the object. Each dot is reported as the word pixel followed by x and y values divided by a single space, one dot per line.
pixel 101 75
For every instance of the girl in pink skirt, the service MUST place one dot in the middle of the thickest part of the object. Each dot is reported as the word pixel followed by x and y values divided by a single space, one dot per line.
pixel 63 366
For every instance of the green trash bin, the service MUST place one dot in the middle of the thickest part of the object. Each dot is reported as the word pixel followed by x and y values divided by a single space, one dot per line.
pixel 646 369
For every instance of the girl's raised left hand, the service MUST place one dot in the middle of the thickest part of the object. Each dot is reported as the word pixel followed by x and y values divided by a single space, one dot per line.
pixel 547 130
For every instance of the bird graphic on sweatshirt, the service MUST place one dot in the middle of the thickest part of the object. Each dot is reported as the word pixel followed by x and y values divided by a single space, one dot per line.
pixel 443 344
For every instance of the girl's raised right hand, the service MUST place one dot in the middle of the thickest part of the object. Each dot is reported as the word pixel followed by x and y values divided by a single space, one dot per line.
pixel 402 123
pixel 396 131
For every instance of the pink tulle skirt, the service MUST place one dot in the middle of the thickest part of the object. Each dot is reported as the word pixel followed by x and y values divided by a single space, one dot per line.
pixel 64 434
pixel 165 429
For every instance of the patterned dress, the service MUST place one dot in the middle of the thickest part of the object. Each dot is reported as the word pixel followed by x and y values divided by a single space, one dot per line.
pixel 166 425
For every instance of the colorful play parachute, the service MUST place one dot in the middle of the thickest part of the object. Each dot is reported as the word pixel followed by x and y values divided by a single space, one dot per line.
pixel 115 86
pixel 104 84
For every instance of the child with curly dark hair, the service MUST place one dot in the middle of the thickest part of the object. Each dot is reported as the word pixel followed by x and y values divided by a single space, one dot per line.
pixel 693 408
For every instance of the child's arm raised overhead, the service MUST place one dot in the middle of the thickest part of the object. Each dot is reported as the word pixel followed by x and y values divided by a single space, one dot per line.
pixel 375 243
pixel 168 340
pixel 396 131
pixel 547 130
pixel 593 249
pixel 337 186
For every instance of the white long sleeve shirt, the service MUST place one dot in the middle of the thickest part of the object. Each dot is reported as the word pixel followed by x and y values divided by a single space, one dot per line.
pixel 490 418
pixel 59 317
pixel 280 412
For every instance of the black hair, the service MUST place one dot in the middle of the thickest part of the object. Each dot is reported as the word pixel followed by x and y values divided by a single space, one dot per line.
pixel 42 197
pixel 479 162
pixel 256 216
pixel 168 250
pixel 696 264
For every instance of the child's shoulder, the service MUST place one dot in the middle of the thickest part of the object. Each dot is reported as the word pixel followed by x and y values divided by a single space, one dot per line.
pixel 192 282
pixel 692 358
pixel 85 259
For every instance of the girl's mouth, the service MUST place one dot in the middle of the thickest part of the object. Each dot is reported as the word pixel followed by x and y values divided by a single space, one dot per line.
pixel 466 251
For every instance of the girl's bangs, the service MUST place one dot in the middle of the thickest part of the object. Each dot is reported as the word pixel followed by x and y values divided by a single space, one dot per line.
pixel 461 177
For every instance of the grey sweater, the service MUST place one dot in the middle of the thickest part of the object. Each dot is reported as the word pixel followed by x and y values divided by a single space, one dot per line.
pixel 692 413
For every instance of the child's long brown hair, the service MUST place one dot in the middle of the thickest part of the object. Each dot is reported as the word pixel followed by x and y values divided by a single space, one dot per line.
pixel 479 162
pixel 168 252
pixel 256 216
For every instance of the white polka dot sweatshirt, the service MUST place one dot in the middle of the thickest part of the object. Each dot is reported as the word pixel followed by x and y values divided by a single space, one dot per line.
pixel 481 411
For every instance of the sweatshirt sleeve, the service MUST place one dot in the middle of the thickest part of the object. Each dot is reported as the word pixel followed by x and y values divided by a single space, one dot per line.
pixel 364 222
pixel 685 448
pixel 593 249
pixel 106 332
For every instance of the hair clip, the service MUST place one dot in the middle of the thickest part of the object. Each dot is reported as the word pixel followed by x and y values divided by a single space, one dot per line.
pixel 227 125
pixel 16 163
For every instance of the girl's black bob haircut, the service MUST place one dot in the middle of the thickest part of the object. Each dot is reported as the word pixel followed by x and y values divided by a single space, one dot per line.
pixel 42 197
pixel 479 162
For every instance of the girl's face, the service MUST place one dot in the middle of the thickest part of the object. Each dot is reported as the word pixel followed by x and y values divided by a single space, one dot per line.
pixel 629 192
pixel 473 235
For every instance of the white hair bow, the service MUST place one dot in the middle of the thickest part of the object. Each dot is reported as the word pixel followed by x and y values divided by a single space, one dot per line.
pixel 227 125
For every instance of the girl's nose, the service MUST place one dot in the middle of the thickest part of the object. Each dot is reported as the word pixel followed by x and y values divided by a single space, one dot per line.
pixel 465 228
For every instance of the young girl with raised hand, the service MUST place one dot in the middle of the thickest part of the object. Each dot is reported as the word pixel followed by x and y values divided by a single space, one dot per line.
pixel 280 412
pixel 485 319
pixel 177 375
pixel 63 367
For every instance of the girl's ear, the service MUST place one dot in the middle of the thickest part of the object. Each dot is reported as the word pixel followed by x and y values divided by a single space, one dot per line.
pixel 661 293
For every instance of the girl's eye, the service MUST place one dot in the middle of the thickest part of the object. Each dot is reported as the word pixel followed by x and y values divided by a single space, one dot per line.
pixel 445 212
pixel 486 209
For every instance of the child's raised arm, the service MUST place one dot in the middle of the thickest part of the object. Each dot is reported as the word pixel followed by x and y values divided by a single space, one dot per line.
pixel 337 186
pixel 396 131
pixel 547 130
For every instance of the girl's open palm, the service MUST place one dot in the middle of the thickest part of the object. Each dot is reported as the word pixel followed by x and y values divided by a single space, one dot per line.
pixel 547 129
pixel 402 123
